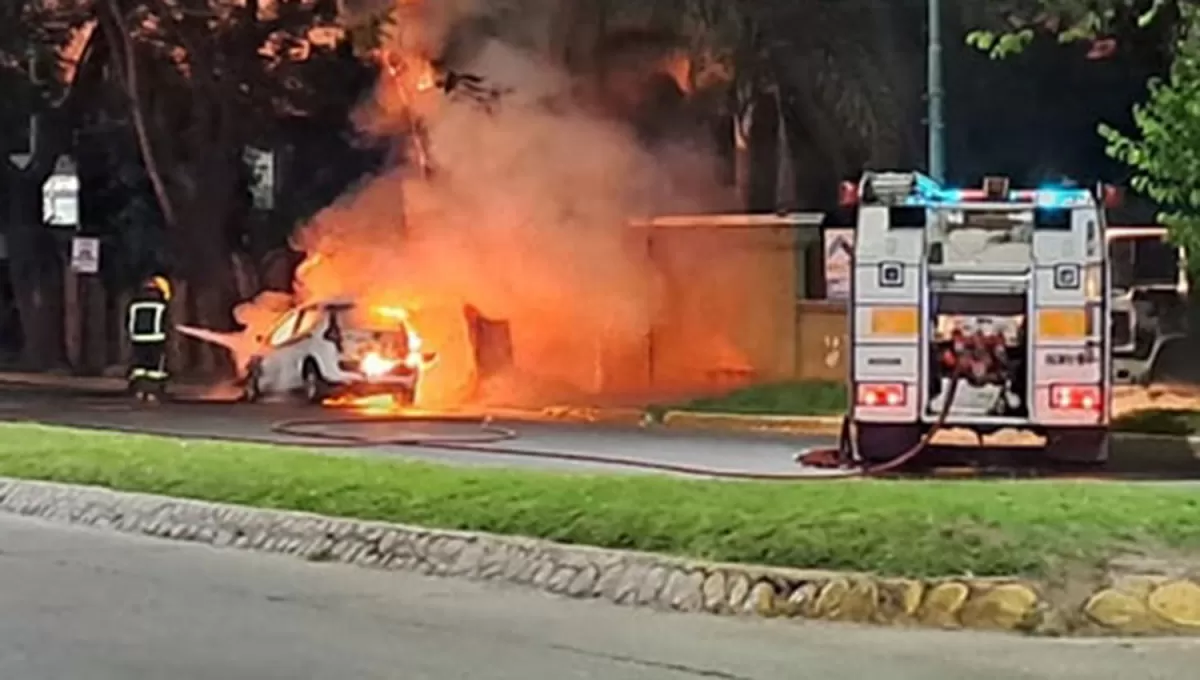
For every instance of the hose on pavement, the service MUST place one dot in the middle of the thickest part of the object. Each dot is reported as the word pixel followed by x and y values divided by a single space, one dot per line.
pixel 847 453
pixel 485 438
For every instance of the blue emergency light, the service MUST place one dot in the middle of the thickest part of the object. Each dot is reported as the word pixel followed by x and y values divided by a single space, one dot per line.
pixel 916 189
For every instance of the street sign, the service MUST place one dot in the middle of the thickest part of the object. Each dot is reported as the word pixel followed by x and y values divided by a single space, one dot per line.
pixel 60 195
pixel 85 255
pixel 262 176
pixel 839 250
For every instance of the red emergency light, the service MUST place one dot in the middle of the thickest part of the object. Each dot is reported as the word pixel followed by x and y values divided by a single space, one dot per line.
pixel 1110 196
pixel 848 194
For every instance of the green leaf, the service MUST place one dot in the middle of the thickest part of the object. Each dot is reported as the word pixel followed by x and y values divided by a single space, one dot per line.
pixel 982 40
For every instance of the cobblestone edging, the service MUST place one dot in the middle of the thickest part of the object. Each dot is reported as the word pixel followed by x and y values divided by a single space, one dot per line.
pixel 1131 605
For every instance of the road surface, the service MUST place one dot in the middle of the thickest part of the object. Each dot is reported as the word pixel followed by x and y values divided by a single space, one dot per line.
pixel 85 604
pixel 759 454
pixel 563 446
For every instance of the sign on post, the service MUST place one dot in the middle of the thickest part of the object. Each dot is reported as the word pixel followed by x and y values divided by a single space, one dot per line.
pixel 85 255
pixel 839 252
pixel 60 195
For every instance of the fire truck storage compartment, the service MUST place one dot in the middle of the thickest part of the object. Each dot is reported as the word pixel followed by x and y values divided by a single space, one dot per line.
pixel 992 387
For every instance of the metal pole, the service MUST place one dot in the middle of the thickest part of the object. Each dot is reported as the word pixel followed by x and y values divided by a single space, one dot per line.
pixel 33 117
pixel 935 94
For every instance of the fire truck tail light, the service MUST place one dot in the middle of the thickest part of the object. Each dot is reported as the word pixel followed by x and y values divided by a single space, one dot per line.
pixel 881 394
pixel 848 194
pixel 1076 397
pixel 1110 196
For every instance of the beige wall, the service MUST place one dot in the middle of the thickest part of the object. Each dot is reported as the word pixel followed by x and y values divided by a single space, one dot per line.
pixel 727 313
pixel 726 316
pixel 821 343
pixel 723 313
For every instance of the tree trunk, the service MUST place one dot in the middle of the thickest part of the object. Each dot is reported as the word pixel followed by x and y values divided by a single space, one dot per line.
pixel 742 122
pixel 95 324
pixel 764 155
pixel 36 274
pixel 205 266
pixel 178 345
pixel 122 350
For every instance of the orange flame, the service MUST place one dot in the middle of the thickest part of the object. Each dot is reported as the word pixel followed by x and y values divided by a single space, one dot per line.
pixel 425 79
pixel 377 404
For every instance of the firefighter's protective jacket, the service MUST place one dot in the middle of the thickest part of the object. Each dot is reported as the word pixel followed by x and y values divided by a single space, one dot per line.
pixel 147 319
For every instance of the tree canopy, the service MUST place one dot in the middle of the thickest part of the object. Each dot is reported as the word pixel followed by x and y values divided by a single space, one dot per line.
pixel 1163 150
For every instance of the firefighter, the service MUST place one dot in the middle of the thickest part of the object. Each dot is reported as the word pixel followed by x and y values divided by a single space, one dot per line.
pixel 147 325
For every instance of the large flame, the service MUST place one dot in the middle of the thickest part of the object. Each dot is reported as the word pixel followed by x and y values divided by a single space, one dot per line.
pixel 522 214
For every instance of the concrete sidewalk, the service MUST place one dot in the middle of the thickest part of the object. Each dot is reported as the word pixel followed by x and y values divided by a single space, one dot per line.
pixel 93 384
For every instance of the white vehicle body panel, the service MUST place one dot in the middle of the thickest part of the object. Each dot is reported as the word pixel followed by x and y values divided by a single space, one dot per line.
pixel 302 336
pixel 1025 270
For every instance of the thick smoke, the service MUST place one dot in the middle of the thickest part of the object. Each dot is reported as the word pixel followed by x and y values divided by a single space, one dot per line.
pixel 521 213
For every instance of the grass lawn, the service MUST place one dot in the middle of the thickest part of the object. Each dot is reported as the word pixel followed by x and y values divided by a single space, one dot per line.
pixel 899 528
pixel 797 398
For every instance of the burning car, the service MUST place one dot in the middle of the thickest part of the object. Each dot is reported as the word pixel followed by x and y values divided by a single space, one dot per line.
pixel 327 350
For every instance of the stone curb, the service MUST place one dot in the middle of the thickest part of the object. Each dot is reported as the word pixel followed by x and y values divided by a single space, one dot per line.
pixel 811 425
pixel 1125 443
pixel 1128 605
pixel 80 383
pixel 587 414
pixel 63 381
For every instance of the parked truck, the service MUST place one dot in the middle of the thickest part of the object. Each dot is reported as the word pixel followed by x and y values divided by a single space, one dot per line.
pixel 984 310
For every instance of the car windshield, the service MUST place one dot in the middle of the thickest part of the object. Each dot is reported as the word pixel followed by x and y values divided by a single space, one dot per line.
pixel 370 319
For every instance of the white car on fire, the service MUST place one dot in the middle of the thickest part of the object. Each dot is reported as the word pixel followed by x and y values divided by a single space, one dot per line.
pixel 337 349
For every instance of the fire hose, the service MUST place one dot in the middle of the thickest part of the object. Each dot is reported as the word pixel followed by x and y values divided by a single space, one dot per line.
pixel 846 452
pixel 491 439
pixel 487 438
pixel 975 360
pixel 978 359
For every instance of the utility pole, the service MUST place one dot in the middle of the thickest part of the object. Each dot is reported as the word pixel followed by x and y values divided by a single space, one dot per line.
pixel 935 94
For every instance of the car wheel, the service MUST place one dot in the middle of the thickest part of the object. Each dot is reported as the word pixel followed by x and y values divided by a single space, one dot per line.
pixel 883 443
pixel 405 397
pixel 316 389
pixel 252 388
pixel 1077 446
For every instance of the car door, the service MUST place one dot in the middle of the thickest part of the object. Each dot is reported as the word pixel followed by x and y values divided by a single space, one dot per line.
pixel 276 372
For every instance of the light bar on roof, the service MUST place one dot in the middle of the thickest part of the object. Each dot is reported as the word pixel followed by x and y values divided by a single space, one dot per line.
pixel 1043 198
pixel 892 187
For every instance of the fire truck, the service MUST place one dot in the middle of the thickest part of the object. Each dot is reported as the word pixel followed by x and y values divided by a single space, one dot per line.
pixel 985 310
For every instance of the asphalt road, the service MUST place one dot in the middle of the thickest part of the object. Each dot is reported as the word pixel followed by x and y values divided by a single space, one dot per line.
pixel 578 448
pixel 84 604
pixel 721 452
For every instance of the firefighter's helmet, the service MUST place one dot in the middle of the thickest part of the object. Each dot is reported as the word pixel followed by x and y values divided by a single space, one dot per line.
pixel 160 284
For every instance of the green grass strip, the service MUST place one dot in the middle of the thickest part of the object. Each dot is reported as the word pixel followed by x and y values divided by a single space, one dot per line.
pixel 805 398
pixel 899 528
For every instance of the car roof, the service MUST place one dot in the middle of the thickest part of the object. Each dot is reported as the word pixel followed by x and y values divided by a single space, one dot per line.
pixel 333 303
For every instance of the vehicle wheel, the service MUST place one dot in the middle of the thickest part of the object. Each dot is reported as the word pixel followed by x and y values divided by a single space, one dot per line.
pixel 316 389
pixel 883 443
pixel 1077 445
pixel 252 387
pixel 404 398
